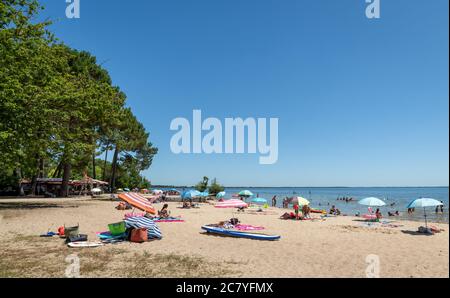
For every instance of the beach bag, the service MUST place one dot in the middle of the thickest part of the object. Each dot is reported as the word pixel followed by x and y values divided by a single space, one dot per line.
pixel 424 230
pixel 139 235
pixel 71 231
pixel 77 238
pixel 234 221
pixel 153 231
pixel 117 228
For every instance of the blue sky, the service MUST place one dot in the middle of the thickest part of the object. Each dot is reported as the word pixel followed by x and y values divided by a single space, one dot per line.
pixel 360 102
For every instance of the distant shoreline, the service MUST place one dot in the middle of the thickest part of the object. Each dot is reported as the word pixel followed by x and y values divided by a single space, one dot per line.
pixel 312 187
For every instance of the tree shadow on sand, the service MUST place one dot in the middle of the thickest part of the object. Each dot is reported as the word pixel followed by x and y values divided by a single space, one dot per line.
pixel 31 206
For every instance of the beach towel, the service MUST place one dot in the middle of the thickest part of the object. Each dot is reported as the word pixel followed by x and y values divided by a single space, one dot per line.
pixel 108 236
pixel 168 219
pixel 127 215
pixel 143 222
pixel 248 228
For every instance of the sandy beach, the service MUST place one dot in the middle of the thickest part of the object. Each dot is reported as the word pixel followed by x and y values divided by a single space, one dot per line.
pixel 330 247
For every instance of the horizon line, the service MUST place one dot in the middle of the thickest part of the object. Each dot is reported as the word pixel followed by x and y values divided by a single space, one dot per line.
pixel 187 186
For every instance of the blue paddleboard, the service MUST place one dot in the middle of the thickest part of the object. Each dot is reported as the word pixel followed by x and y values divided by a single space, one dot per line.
pixel 240 234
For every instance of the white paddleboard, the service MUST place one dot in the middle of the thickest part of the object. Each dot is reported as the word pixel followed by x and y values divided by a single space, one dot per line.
pixel 84 244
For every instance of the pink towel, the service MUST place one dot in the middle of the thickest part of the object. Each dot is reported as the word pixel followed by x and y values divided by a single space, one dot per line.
pixel 134 215
pixel 248 228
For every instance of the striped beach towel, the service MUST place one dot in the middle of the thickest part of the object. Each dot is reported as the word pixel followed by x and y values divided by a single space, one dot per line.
pixel 153 230
pixel 138 201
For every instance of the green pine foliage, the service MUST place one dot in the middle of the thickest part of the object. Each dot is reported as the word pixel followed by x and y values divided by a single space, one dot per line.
pixel 59 110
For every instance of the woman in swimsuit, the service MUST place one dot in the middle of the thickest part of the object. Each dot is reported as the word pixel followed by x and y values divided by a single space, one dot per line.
pixel 164 213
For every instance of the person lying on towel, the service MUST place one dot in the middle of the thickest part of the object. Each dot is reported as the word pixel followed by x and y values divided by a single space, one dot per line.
pixel 291 215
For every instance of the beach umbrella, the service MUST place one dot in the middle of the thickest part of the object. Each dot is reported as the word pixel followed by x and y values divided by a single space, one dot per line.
pixel 96 190
pixel 220 195
pixel 126 189
pixel 299 201
pixel 203 194
pixel 245 193
pixel 259 201
pixel 372 202
pixel 157 191
pixel 424 203
pixel 137 201
pixel 189 194
pixel 233 203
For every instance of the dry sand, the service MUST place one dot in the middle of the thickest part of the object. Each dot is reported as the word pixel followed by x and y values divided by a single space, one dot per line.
pixel 334 247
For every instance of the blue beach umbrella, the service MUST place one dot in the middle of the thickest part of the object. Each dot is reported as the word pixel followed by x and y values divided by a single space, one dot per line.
pixel 259 201
pixel 245 193
pixel 220 194
pixel 424 203
pixel 203 194
pixel 189 194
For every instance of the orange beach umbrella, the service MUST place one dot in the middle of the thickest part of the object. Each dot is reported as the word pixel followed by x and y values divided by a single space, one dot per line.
pixel 137 201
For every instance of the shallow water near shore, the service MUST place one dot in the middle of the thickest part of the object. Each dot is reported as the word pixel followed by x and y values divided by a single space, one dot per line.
pixel 325 197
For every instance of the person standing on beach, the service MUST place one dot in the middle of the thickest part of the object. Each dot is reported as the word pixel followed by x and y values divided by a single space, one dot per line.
pixel 274 201
pixel 296 211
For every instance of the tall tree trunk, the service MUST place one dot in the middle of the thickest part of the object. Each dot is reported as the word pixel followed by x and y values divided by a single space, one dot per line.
pixel 34 185
pixel 20 191
pixel 65 182
pixel 104 164
pixel 67 166
pixel 35 176
pixel 57 172
pixel 114 168
pixel 41 168
pixel 93 166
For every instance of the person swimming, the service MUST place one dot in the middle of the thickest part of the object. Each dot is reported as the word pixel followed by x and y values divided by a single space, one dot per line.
pixel 396 213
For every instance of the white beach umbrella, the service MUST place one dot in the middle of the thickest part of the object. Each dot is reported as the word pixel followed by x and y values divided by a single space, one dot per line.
pixel 372 202
pixel 299 201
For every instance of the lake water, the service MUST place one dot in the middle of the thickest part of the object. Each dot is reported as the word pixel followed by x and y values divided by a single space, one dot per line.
pixel 324 198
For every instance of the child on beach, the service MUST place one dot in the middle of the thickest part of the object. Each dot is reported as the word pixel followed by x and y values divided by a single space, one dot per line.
pixel 306 210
